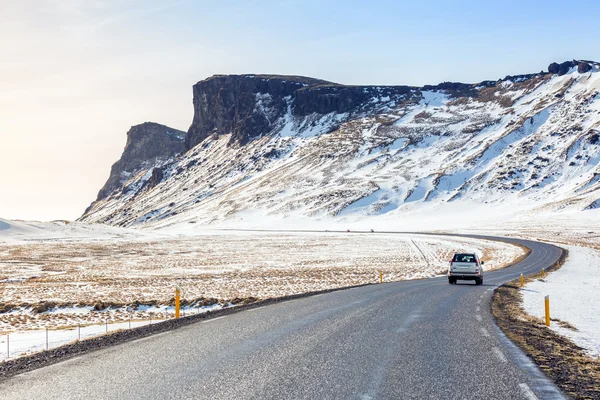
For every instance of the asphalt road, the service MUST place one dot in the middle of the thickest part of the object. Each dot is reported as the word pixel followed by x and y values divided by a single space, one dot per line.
pixel 421 339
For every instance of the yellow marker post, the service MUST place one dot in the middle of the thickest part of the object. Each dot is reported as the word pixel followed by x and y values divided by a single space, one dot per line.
pixel 522 280
pixel 380 276
pixel 177 302
pixel 543 272
pixel 547 304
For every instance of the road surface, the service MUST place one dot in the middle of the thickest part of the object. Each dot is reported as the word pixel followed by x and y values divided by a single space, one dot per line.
pixel 422 339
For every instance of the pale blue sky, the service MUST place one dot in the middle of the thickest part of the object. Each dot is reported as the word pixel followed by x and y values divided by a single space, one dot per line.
pixel 76 74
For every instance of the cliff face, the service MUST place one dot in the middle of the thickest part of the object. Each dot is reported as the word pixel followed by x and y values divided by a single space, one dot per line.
pixel 147 144
pixel 230 104
pixel 250 106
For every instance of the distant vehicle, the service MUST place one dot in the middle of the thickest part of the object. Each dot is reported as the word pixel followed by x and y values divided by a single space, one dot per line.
pixel 372 231
pixel 467 267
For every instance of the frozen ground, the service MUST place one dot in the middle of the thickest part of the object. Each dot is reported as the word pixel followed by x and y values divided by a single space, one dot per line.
pixel 574 292
pixel 75 266
pixel 40 279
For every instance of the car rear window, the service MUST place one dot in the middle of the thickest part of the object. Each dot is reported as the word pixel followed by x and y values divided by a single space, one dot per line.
pixel 467 258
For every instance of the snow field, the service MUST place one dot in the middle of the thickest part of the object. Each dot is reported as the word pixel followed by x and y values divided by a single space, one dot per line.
pixel 574 298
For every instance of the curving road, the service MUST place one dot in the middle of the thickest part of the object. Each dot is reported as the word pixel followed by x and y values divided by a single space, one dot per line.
pixel 421 339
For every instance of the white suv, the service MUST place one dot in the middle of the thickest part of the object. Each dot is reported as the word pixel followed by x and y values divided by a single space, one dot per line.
pixel 467 267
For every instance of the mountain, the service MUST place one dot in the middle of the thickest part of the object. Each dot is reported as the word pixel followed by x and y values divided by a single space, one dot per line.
pixel 148 144
pixel 283 146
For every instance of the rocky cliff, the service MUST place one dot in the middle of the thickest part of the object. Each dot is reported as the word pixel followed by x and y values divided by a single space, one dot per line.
pixel 148 144
pixel 249 106
pixel 284 145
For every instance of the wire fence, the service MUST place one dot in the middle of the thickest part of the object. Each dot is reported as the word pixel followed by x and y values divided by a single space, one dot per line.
pixel 20 343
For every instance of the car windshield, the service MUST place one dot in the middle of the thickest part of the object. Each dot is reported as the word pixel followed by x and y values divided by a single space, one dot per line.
pixel 468 258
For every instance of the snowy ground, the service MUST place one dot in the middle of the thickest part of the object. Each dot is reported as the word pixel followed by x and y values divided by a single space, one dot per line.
pixel 574 292
pixel 40 279
pixel 78 265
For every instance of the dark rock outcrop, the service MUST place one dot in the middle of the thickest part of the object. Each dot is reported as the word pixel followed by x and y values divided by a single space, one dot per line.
pixel 156 177
pixel 244 105
pixel 583 67
pixel 554 68
pixel 563 68
pixel 249 106
pixel 146 144
pixel 340 98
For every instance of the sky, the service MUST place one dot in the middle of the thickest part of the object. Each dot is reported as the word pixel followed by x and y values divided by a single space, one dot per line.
pixel 75 75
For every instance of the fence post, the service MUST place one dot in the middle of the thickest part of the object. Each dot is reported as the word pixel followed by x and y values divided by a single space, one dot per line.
pixel 46 338
pixel 177 302
pixel 547 307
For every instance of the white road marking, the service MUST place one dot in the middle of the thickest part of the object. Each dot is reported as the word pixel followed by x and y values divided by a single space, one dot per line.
pixel 478 309
pixel 479 301
pixel 213 319
pixel 485 332
pixel 478 318
pixel 499 354
pixel 527 392
pixel 257 308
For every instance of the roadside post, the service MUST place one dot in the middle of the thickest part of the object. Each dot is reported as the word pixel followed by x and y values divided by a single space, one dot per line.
pixel 380 276
pixel 547 306
pixel 177 302
pixel 522 280
pixel 543 272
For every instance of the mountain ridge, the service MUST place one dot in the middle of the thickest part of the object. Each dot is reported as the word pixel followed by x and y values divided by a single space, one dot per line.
pixel 266 142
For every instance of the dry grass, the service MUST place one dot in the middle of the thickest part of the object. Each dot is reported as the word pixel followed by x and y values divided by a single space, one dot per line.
pixel 209 269
pixel 422 115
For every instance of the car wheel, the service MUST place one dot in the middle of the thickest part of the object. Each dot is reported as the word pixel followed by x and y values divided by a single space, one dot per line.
pixel 479 281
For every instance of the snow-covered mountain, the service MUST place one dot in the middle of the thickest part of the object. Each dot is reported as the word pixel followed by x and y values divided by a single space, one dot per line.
pixel 291 146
